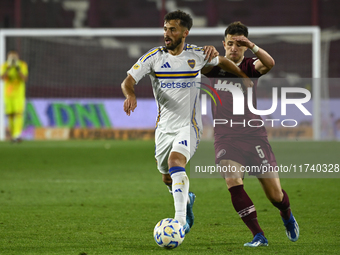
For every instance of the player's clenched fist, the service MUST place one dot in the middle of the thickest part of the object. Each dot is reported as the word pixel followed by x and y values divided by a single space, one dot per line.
pixel 130 104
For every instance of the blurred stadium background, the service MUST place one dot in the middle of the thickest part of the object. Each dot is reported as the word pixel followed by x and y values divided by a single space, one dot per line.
pixel 73 90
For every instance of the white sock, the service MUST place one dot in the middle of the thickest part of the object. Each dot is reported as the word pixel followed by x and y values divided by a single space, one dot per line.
pixel 170 191
pixel 180 189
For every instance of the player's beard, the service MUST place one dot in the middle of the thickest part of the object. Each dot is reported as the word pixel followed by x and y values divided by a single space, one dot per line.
pixel 174 44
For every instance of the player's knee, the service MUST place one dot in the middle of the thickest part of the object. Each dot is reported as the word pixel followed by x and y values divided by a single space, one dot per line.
pixel 176 159
pixel 231 182
pixel 176 162
pixel 173 162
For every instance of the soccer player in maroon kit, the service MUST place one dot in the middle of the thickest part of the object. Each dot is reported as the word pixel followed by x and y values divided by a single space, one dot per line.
pixel 238 145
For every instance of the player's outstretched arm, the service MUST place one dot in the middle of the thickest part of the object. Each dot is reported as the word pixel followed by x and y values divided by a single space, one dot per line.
pixel 230 67
pixel 130 102
pixel 266 61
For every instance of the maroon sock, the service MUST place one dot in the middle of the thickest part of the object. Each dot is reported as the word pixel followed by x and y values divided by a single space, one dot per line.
pixel 245 208
pixel 284 206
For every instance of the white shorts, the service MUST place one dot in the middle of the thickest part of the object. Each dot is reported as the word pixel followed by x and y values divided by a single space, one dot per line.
pixel 185 141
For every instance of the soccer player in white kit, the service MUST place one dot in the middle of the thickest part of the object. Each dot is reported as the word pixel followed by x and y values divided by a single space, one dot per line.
pixel 175 74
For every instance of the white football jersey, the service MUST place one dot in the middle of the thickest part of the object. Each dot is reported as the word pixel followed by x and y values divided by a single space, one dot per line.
pixel 175 82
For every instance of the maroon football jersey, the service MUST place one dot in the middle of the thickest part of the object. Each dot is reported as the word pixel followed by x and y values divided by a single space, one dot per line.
pixel 237 125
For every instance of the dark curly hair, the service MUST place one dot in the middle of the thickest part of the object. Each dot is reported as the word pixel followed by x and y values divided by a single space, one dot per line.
pixel 236 28
pixel 185 19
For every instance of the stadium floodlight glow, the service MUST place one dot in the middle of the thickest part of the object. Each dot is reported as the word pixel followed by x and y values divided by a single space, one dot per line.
pixel 157 32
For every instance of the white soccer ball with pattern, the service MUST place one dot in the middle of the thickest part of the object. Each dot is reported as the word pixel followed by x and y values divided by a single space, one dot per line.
pixel 168 233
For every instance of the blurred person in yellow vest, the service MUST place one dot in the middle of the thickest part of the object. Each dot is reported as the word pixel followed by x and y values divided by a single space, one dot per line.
pixel 14 73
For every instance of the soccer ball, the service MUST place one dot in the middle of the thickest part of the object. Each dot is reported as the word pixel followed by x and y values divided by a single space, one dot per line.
pixel 168 233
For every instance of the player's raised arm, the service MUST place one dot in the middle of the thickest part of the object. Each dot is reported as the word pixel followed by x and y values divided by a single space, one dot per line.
pixel 130 102
pixel 266 61
pixel 230 67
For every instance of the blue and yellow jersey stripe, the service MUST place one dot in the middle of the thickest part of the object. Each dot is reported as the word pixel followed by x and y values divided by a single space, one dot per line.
pixel 195 48
pixel 176 75
pixel 154 51
pixel 150 53
pixel 158 117
pixel 193 120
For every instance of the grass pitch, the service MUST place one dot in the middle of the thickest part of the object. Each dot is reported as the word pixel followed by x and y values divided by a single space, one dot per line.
pixel 104 197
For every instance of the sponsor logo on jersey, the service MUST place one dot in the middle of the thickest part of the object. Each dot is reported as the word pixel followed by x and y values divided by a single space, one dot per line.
pixel 177 85
pixel 166 65
pixel 136 66
pixel 221 85
pixel 192 63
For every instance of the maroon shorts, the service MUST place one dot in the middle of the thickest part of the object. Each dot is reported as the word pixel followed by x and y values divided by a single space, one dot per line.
pixel 247 151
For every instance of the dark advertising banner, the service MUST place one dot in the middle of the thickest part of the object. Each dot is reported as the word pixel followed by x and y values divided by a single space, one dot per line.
pixel 62 119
